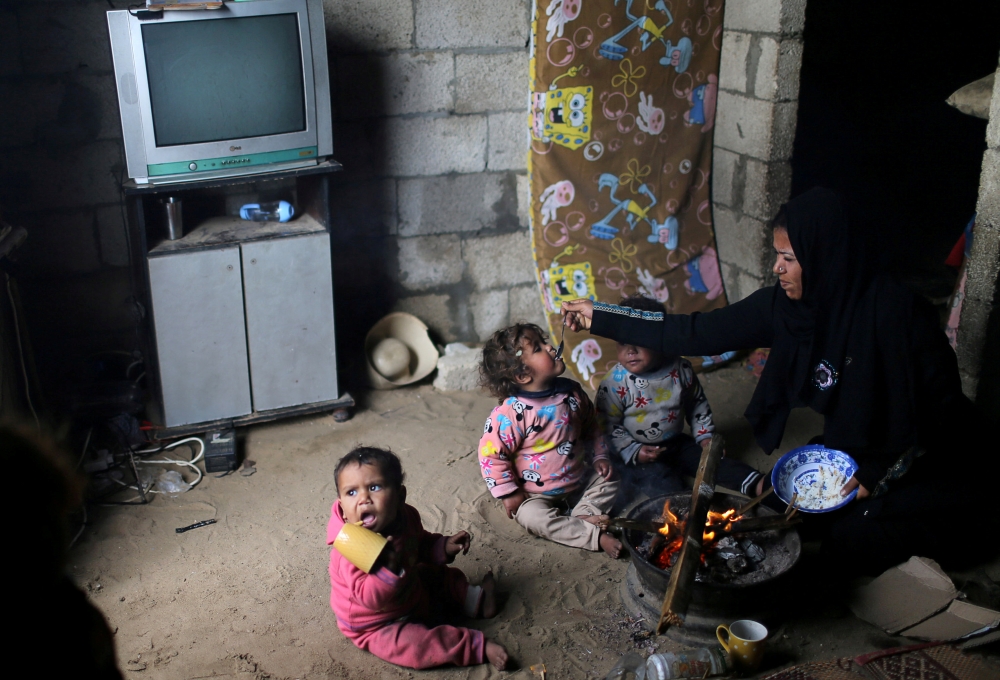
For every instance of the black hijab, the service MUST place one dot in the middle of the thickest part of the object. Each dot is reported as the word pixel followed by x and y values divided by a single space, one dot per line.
pixel 832 329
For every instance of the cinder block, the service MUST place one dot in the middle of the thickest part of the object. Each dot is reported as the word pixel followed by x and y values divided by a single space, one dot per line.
pixel 489 312
pixel 355 26
pixel 60 244
pixel 993 128
pixel 446 23
pixel 766 187
pixel 433 310
pixel 724 167
pixel 454 203
pixel 394 84
pixel 10 53
pixel 111 236
pixel 58 113
pixel 83 176
pixel 360 145
pixel 508 146
pixel 366 208
pixel 988 205
pixel 983 266
pixel 741 241
pixel 430 261
pixel 63 41
pixel 793 16
pixel 435 146
pixel 526 305
pixel 972 329
pixel 749 284
pixel 523 200
pixel 17 121
pixel 491 82
pixel 766 16
pixel 733 64
pixel 753 15
pixel 789 69
pixel 730 281
pixel 499 261
pixel 458 369
pixel 783 131
pixel 765 85
pixel 970 383
pixel 744 124
pixel 103 86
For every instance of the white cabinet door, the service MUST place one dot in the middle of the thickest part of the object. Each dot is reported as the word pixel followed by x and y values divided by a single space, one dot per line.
pixel 200 337
pixel 288 294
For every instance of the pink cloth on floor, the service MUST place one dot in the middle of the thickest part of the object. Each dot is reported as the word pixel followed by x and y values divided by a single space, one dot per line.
pixel 369 606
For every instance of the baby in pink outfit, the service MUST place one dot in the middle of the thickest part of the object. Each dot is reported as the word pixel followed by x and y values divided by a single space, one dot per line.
pixel 391 611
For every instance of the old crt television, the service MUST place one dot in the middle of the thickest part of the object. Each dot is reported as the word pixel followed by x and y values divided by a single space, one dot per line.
pixel 240 90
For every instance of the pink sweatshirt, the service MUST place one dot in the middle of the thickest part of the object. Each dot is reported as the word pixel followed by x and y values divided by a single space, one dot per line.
pixel 541 441
pixel 366 601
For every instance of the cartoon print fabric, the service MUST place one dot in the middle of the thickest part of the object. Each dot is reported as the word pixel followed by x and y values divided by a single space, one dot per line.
pixel 652 408
pixel 543 443
pixel 622 109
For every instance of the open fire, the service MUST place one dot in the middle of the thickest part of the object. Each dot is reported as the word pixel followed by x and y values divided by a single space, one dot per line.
pixel 752 550
pixel 723 555
pixel 673 535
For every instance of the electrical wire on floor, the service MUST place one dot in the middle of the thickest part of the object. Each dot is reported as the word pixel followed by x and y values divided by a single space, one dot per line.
pixel 20 352
pixel 86 444
pixel 82 526
pixel 142 488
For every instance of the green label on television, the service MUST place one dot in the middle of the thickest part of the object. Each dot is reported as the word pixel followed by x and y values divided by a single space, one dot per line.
pixel 250 159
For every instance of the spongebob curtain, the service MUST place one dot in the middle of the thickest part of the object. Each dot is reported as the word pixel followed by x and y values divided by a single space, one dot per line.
pixel 621 115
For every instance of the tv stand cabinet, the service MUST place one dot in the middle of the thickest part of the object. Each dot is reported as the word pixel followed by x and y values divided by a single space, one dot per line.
pixel 238 322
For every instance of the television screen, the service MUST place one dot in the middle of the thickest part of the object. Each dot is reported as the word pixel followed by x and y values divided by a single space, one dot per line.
pixel 222 79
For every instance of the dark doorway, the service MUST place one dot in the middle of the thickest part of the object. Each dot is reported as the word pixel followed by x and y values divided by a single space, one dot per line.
pixel 873 122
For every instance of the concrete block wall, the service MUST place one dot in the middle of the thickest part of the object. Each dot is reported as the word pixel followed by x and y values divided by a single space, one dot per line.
pixel 429 100
pixel 983 266
pixel 430 112
pixel 60 163
pixel 755 128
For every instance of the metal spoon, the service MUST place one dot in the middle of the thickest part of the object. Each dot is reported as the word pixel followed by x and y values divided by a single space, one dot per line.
pixel 562 341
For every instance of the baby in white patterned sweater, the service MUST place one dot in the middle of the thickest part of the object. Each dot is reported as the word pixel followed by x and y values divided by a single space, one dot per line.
pixel 644 402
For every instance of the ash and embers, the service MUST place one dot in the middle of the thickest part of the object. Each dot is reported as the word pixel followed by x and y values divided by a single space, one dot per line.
pixel 734 559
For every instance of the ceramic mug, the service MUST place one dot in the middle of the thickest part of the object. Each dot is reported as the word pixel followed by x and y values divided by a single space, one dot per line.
pixel 744 640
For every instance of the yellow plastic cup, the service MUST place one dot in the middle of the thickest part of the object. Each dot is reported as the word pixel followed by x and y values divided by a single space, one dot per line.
pixel 359 546
pixel 744 640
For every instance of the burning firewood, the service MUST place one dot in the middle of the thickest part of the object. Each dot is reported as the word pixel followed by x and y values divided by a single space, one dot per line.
pixel 678 596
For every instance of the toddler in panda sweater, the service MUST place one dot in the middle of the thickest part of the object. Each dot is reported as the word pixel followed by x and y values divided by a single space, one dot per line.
pixel 644 402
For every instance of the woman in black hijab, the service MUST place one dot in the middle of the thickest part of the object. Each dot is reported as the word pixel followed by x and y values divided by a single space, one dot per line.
pixel 863 351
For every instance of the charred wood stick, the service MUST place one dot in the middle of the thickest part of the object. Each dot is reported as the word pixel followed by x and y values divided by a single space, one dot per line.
pixel 649 526
pixel 678 595
pixel 747 526
pixel 755 502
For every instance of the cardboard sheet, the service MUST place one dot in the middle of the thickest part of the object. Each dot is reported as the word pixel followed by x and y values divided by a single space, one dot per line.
pixel 957 621
pixel 917 599
pixel 904 595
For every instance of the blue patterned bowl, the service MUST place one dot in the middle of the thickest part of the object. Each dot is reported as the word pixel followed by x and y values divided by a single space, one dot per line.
pixel 817 475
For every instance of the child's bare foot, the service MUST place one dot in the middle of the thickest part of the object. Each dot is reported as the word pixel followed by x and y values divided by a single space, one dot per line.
pixel 611 545
pixel 496 654
pixel 488 608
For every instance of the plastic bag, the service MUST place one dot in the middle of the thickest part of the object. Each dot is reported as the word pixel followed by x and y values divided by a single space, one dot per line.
pixel 171 482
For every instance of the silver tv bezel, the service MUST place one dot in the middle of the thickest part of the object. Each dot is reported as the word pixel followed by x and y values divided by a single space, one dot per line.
pixel 129 57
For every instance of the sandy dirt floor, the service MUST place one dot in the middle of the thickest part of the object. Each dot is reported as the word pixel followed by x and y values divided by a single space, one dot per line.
pixel 248 597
